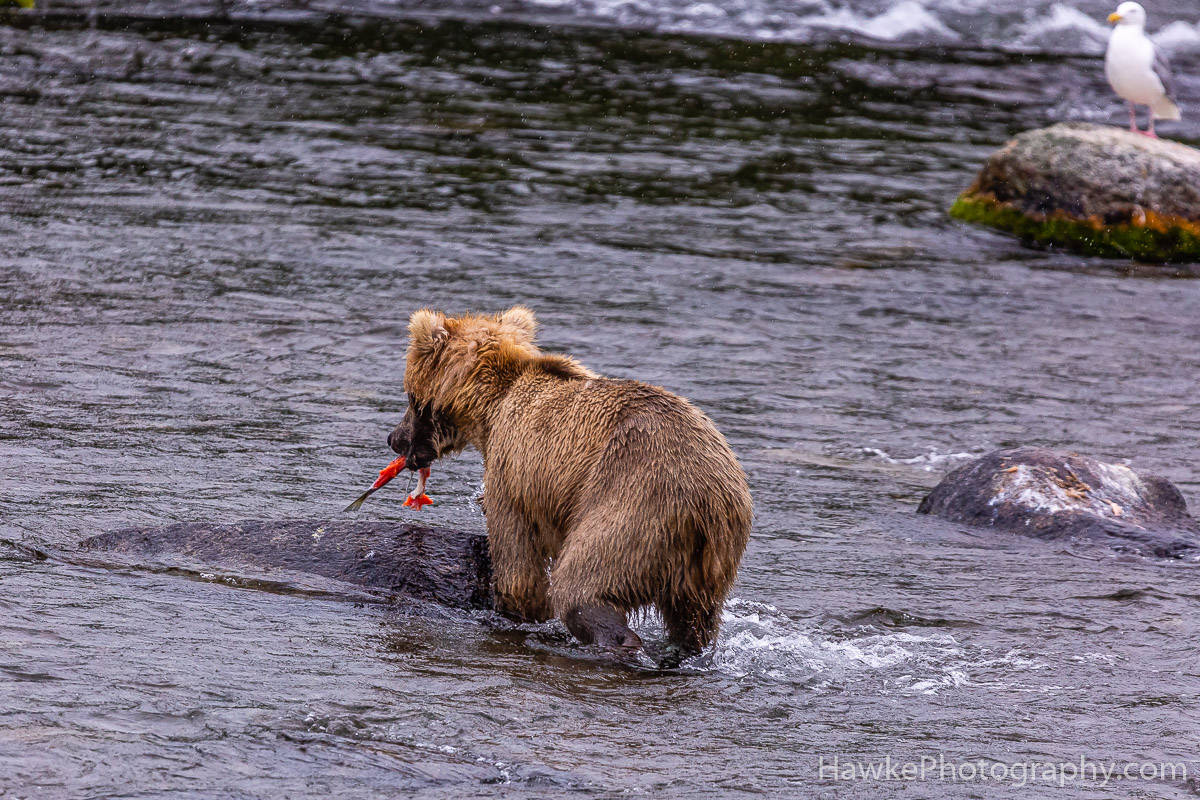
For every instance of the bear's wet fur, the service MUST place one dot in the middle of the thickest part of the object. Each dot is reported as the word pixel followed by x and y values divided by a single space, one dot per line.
pixel 602 496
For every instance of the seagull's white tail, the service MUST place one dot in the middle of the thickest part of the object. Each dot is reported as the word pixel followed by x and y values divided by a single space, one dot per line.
pixel 1165 109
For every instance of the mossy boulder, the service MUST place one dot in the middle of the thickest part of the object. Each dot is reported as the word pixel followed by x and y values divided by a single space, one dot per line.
pixel 1093 189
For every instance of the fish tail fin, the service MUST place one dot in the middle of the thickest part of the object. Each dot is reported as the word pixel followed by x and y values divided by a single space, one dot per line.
pixel 357 504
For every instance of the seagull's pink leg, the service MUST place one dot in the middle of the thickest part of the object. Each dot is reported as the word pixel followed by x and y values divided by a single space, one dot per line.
pixel 1150 132
pixel 1133 126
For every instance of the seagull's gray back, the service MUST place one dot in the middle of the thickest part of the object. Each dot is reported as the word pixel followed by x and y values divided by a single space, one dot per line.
pixel 1162 68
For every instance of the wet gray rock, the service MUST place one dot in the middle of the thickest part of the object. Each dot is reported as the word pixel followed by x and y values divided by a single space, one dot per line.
pixel 1094 189
pixel 400 561
pixel 1037 492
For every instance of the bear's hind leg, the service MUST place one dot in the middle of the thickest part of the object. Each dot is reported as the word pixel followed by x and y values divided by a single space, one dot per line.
pixel 588 594
pixel 691 627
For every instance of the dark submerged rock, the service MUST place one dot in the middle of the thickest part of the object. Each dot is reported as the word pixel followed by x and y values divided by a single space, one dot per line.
pixel 1037 492
pixel 1095 189
pixel 439 565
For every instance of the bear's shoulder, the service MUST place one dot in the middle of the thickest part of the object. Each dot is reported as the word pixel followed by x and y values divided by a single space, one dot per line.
pixel 561 367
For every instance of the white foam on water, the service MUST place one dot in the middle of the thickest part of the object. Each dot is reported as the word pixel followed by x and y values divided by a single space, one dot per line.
pixel 931 461
pixel 907 18
pixel 1065 27
pixel 1041 26
pixel 1178 37
pixel 757 640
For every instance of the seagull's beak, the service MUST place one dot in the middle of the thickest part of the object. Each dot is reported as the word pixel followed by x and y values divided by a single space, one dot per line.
pixel 1114 18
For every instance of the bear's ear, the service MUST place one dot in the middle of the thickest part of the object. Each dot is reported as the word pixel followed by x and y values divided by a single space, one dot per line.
pixel 522 319
pixel 427 329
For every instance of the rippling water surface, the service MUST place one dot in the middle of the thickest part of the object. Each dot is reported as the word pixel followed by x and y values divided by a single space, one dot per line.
pixel 213 227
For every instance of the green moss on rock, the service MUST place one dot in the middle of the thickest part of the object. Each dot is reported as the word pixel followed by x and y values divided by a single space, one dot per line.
pixel 1125 240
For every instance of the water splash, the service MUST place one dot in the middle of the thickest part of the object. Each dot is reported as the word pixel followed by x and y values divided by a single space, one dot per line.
pixel 759 641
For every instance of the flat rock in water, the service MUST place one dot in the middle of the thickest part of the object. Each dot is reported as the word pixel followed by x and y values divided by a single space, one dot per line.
pixel 1037 492
pixel 440 565
pixel 1095 189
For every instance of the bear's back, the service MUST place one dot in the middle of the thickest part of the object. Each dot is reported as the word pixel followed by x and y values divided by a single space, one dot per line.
pixel 565 442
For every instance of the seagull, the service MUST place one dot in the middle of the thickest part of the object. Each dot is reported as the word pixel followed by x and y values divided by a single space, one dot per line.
pixel 1136 70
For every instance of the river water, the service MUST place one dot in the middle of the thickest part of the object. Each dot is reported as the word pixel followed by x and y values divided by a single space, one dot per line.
pixel 215 221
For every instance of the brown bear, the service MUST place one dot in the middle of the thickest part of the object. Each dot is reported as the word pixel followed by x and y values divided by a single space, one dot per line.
pixel 602 496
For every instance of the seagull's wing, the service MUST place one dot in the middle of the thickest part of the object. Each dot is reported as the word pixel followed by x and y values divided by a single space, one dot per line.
pixel 1162 68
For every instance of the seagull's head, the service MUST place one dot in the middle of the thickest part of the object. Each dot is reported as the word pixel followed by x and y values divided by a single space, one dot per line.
pixel 1129 14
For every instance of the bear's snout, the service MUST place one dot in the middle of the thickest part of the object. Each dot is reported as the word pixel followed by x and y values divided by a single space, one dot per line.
pixel 398 440
pixel 415 437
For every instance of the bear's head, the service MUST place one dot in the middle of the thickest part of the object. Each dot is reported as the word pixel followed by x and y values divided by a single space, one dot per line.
pixel 423 437
pixel 456 367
